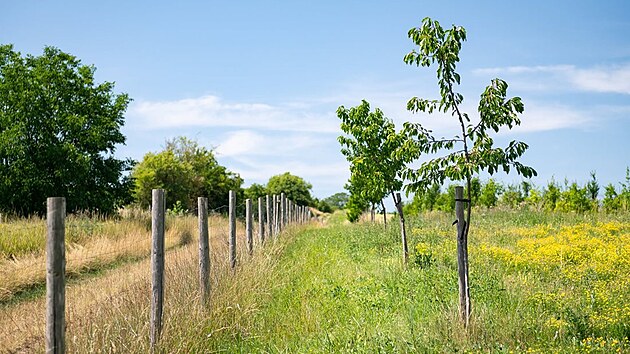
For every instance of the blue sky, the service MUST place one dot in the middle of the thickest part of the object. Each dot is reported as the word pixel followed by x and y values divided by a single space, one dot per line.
pixel 261 80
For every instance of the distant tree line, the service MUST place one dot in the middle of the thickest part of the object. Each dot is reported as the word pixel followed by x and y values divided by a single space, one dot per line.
pixel 58 134
pixel 553 197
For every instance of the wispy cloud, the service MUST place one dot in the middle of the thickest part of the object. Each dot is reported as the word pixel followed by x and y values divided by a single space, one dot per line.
pixel 604 79
pixel 540 117
pixel 212 111
pixel 610 79
pixel 252 143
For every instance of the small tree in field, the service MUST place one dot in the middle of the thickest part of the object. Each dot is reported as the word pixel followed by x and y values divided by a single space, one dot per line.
pixel 475 150
pixel 377 155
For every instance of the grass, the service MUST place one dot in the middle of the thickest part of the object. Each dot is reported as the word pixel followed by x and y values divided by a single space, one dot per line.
pixel 539 283
pixel 102 301
pixel 343 289
pixel 91 245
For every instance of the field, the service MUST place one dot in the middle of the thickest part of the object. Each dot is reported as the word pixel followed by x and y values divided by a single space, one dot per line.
pixel 540 282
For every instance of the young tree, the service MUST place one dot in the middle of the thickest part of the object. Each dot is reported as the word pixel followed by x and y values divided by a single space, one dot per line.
pixel 377 155
pixel 490 194
pixel 58 133
pixel 476 151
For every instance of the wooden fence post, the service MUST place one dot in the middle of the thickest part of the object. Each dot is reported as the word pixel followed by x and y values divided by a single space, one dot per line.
pixel 269 216
pixel 55 275
pixel 204 250
pixel 462 257
pixel 283 210
pixel 248 226
pixel 232 217
pixel 276 214
pixel 261 221
pixel 157 264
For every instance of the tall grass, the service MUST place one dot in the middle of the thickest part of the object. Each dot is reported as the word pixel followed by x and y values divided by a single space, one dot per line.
pixel 109 312
pixel 91 244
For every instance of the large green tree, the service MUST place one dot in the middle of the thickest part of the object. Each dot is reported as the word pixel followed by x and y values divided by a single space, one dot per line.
pixel 471 149
pixel 294 187
pixel 58 133
pixel 186 171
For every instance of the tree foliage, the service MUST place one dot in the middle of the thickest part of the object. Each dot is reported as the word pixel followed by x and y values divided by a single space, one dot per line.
pixel 376 151
pixel 475 150
pixel 338 200
pixel 58 132
pixel 295 188
pixel 186 171
pixel 378 154
pixel 255 191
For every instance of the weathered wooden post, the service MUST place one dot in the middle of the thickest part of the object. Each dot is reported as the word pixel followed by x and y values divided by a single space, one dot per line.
pixel 289 212
pixel 269 215
pixel 157 264
pixel 232 223
pixel 261 221
pixel 276 214
pixel 55 275
pixel 462 256
pixel 248 226
pixel 283 210
pixel 204 250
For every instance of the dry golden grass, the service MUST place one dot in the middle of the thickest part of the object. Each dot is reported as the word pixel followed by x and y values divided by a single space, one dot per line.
pixel 89 246
pixel 110 312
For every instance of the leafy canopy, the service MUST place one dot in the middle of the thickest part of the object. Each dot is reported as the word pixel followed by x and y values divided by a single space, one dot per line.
pixel 476 152
pixel 295 188
pixel 186 171
pixel 58 132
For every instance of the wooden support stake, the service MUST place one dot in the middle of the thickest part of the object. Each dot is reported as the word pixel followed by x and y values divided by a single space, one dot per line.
pixel 204 250
pixel 55 275
pixel 403 231
pixel 462 257
pixel 232 225
pixel 157 264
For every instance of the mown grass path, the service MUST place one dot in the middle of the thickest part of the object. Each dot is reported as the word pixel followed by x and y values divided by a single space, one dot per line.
pixel 339 289
pixel 343 289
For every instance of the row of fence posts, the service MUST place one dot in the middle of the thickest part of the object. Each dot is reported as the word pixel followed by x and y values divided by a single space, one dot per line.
pixel 278 212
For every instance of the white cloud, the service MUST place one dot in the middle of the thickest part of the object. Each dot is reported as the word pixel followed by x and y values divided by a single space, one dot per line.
pixel 524 69
pixel 603 79
pixel 212 111
pixel 252 143
pixel 611 79
pixel 242 142
pixel 551 117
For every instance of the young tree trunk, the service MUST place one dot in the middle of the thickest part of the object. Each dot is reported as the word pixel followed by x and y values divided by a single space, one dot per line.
pixel 403 232
pixel 384 213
